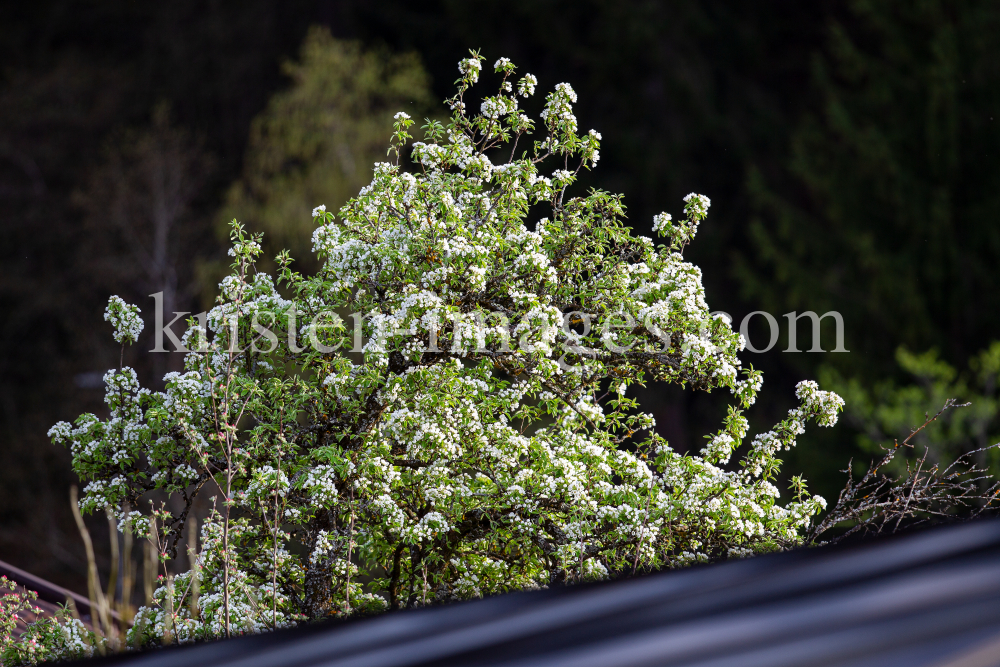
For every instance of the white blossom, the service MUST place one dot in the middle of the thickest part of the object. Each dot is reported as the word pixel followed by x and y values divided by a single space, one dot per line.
pixel 125 319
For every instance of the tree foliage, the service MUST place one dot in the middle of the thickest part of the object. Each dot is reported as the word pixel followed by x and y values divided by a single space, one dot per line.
pixel 888 409
pixel 472 432
pixel 316 141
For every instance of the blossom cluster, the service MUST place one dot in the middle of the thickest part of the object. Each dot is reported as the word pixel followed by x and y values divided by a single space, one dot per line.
pixel 125 319
pixel 48 638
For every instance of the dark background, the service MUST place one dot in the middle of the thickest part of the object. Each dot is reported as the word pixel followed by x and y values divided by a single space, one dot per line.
pixel 850 151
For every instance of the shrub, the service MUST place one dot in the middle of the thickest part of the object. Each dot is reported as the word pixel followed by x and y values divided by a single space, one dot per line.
pixel 58 637
pixel 472 433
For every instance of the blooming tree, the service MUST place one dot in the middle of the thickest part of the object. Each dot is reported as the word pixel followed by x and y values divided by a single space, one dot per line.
pixel 442 411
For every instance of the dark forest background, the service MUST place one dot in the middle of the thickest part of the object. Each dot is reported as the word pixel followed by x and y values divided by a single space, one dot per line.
pixel 850 150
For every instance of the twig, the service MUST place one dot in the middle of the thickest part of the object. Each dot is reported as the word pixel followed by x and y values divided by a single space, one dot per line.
pixel 879 503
